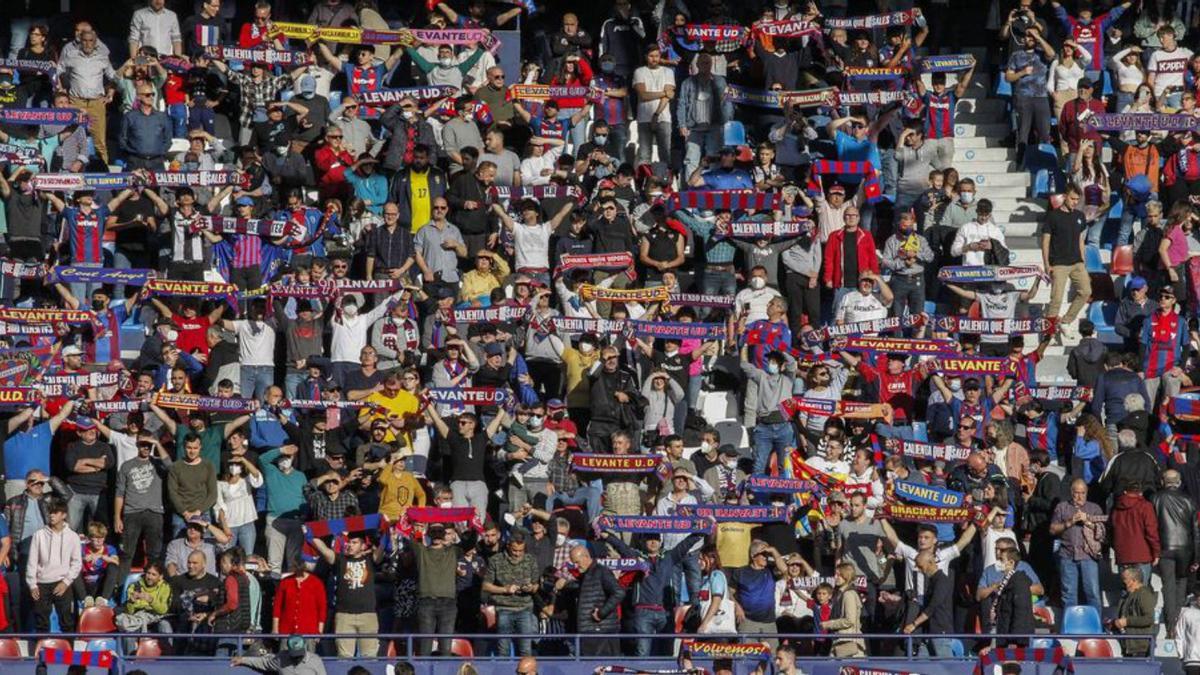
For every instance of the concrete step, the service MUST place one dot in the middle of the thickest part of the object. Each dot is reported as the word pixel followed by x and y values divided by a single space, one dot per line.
pixel 986 181
pixel 997 154
pixel 996 191
pixel 979 142
pixel 985 117
pixel 996 130
pixel 989 167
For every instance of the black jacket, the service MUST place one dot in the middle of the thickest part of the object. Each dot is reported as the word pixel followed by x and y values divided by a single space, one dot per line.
pixel 598 589
pixel 1178 528
pixel 14 511
pixel 605 406
pixel 1014 607
pixel 1134 464
pixel 1086 361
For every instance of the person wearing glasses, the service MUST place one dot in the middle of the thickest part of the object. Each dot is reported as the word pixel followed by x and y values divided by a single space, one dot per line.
pixel 363 72
pixel 348 119
pixel 85 71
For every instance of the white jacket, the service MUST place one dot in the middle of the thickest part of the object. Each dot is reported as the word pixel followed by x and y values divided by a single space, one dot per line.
pixel 1187 635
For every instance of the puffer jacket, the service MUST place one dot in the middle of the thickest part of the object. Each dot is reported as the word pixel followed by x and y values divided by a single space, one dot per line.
pixel 1134 530
pixel 598 589
pixel 14 511
pixel 1178 528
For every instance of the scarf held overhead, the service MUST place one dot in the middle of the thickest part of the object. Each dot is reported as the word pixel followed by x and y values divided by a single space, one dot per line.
pixel 916 513
pixel 904 18
pixel 969 274
pixel 872 190
pixel 724 513
pixel 921 450
pixel 596 462
pixel 42 116
pixel 962 324
pixel 661 524
pixel 100 275
pixel 894 345
pixel 928 495
pixel 468 395
pixel 177 401
pixel 589 292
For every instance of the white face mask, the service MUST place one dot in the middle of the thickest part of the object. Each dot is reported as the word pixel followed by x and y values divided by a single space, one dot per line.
pixel 445 505
pixel 560 539
pixel 350 311
pixel 586 347
pixel 235 469
pixel 446 63
pixel 956 385
pixel 966 197
pixel 758 283
pixel 285 464
pixel 730 462
pixel 706 447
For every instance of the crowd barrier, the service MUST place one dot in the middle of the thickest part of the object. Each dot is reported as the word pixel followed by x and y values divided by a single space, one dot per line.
pixel 483 645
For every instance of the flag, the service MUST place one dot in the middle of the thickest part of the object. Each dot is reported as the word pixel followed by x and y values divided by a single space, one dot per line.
pixel 207 35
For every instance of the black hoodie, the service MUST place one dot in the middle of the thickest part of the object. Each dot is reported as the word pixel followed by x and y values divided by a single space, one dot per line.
pixel 1086 361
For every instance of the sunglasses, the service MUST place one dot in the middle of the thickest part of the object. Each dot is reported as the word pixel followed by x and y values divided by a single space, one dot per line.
pixel 441 208
pixel 966 427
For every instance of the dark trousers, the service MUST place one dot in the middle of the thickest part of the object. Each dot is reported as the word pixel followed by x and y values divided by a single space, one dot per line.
pixel 599 647
pixel 803 301
pixel 909 292
pixel 435 616
pixel 547 376
pixel 186 271
pixel 100 588
pixel 140 526
pixel 1173 567
pixel 64 605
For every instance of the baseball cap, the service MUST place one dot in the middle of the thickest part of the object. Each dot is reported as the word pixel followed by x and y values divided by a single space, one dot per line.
pixel 728 450
pixel 308 84
pixel 84 423
pixel 296 647
pixel 72 350
pixel 245 201
pixel 1136 283
pixel 1085 83
pixel 304 305
pixel 837 189
pixel 555 404
pixel 494 349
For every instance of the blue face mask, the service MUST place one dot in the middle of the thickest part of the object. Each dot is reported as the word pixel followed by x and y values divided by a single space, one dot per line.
pixel 773 368
pixel 607 67
pixel 966 197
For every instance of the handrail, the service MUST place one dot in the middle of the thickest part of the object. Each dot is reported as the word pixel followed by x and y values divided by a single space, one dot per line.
pixel 409 639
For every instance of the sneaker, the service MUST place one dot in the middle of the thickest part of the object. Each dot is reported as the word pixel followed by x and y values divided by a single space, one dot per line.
pixel 89 602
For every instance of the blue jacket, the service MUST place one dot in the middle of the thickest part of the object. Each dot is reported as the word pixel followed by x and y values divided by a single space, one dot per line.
pixel 650 590
pixel 1108 401
pixel 145 135
pixel 722 110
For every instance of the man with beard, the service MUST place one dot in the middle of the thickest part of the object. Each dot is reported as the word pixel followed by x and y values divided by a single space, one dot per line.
pixel 355 569
pixel 615 399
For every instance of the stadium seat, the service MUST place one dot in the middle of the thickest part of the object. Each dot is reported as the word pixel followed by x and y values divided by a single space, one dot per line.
pixel 101 645
pixel 1081 620
pixel 129 581
pixel 1103 314
pixel 957 650
pixel 732 432
pixel 920 431
pixel 1093 648
pixel 462 648
pixel 149 648
pixel 1092 260
pixel 1003 87
pixel 53 643
pixel 1103 289
pixel 1044 614
pixel 1122 260
pixel 97 620
pixel 1043 643
pixel 1043 166
pixel 9 649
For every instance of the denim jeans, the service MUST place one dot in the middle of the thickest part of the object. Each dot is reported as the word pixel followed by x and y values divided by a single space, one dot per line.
pixel 255 380
pixel 80 505
pixel 647 621
pixel 701 143
pixel 909 292
pixel 1094 230
pixel 587 496
pixel 651 134
pixel 519 621
pixel 435 616
pixel 245 536
pixel 903 431
pixel 18 34
pixel 768 438
pixel 292 381
pixel 718 283
pixel 178 112
pixel 1125 231
pixel 1073 573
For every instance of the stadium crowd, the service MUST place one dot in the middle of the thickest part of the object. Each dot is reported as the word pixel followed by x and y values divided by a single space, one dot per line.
pixel 693 310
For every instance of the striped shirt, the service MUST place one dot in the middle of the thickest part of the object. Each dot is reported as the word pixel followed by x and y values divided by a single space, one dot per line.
pixel 257 94
pixel 186 246
pixel 247 251
pixel 611 110
pixel 83 232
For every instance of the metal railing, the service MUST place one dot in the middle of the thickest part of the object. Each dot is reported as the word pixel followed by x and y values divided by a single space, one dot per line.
pixel 483 643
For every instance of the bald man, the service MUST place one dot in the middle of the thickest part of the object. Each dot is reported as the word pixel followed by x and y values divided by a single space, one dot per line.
pixel 599 597
pixel 1074 524
pixel 1176 513
pixel 527 666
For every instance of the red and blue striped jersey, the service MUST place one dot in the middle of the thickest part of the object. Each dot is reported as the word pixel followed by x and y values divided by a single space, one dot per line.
pixel 610 109
pixel 247 251
pixel 83 233
pixel 1163 336
pixel 107 348
pixel 939 114
pixel 547 128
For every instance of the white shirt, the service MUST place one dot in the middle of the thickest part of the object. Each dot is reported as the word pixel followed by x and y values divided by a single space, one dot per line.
pixel 256 342
pixel 1168 68
pixel 350 334
pixel 856 307
pixel 655 80
pixel 971 233
pixel 531 169
pixel 532 245
pixel 915 580
pixel 756 301
pixel 237 499
pixel 155 29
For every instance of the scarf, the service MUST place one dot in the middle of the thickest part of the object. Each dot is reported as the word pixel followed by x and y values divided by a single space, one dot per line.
pixel 661 524
pixel 336 526
pixel 752 229
pixel 759 98
pixel 904 18
pixel 779 485
pixel 894 345
pixel 464 396
pixel 591 292
pixel 1140 122
pixel 727 513
pixel 1055 656
pixel 21 154
pixel 731 200
pixel 994 609
pixel 100 275
pixel 966 274
pixel 921 450
pixel 544 92
pixel 873 191
pixel 679 330
pixel 42 116
pixel 929 495
pixel 1055 393
pixel 392 96
pixel 883 74
pixel 824 97
pixel 259 227
pixel 166 399
pixel 194 289
pixel 89 659
pixel 270 57
pixel 915 513
pixel 597 261
pixel 703 300
pixel 962 324
pixel 19 397
pixel 497 314
pixel 601 463
pixel 974 366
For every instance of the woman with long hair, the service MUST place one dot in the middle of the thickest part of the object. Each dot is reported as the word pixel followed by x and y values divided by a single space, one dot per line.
pixel 1070 66
pixel 235 499
pixel 715 600
pixel 36 88
pixel 1129 76
pixel 825 381
pixel 1090 175
pixel 1173 249
pixel 1093 449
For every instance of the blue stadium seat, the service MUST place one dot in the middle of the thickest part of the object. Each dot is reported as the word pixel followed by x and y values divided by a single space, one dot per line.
pixel 101 645
pixel 735 134
pixel 1117 206
pixel 1043 165
pixel 1043 643
pixel 1091 258
pixel 1081 620
pixel 956 649
pixel 129 582
pixel 1104 314
pixel 930 307
pixel 1107 89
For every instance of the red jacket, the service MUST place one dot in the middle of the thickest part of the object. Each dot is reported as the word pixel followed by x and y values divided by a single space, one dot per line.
pixel 332 167
pixel 1134 530
pixel 868 259
pixel 300 605
pixel 1074 131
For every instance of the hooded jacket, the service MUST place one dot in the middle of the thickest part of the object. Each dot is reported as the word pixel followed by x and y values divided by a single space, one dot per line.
pixel 1086 361
pixel 1135 530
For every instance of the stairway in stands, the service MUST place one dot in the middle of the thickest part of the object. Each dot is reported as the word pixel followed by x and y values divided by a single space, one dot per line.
pixel 981 125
